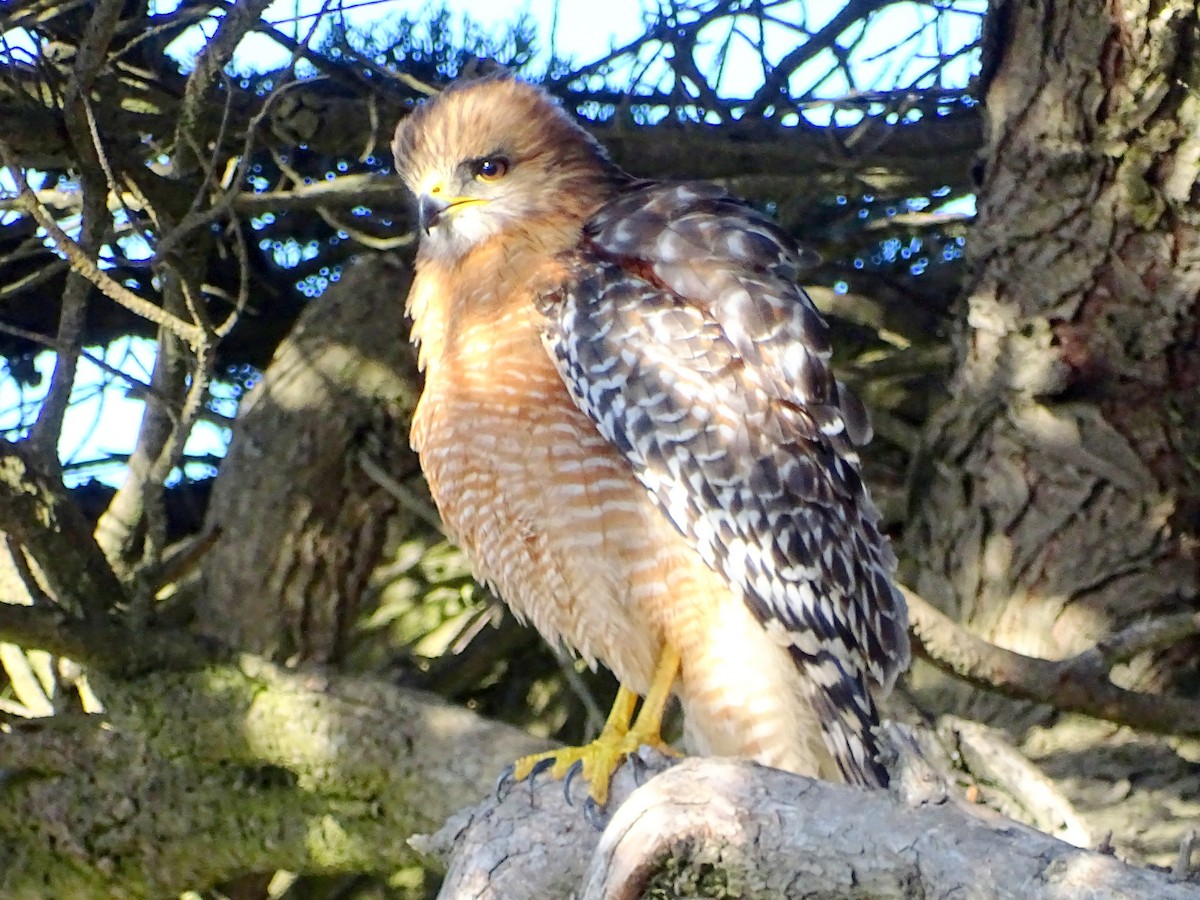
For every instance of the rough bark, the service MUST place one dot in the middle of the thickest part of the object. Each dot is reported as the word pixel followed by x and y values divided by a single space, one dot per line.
pixel 302 522
pixel 190 779
pixel 725 828
pixel 1057 497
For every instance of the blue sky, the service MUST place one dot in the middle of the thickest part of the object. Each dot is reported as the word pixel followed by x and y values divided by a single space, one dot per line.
pixel 584 30
pixel 104 421
pixel 894 47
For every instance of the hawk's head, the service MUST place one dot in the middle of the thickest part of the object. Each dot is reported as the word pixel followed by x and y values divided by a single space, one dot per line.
pixel 494 156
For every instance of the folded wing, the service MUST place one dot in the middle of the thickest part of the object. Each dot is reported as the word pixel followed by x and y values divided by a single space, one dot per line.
pixel 683 334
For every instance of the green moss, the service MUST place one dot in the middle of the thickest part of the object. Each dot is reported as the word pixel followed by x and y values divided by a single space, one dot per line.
pixel 681 875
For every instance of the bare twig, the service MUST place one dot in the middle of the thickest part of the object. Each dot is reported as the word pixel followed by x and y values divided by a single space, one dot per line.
pixel 594 714
pixel 223 203
pixel 47 430
pixel 342 192
pixel 141 387
pixel 416 505
pixel 243 294
pixel 1137 638
pixel 403 239
pixel 1182 869
pixel 82 263
pixel 38 276
pixel 994 762
pixel 143 390
pixel 773 86
pixel 135 511
pixel 182 559
pixel 86 266
pixel 89 60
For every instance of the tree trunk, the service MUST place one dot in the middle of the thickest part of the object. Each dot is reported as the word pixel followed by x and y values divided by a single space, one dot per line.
pixel 302 522
pixel 1058 496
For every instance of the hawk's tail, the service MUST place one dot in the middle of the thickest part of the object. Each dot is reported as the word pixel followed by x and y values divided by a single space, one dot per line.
pixel 848 717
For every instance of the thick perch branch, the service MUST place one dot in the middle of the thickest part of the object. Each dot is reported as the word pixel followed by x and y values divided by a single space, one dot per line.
pixel 759 832
pixel 724 828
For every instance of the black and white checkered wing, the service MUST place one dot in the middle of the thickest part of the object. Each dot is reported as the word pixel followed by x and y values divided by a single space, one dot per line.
pixel 682 333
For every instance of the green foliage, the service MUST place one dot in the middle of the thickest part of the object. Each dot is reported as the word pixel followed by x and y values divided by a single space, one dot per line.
pixel 435 45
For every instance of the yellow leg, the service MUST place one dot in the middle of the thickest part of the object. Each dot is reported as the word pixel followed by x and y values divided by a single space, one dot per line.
pixel 603 756
pixel 648 727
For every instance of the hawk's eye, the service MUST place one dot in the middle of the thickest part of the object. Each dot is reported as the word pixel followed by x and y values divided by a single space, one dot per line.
pixel 490 168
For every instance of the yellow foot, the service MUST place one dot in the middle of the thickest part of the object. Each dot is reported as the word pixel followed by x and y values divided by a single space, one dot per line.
pixel 598 761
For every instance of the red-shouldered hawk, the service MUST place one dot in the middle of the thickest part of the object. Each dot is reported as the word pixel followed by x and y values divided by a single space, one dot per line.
pixel 630 424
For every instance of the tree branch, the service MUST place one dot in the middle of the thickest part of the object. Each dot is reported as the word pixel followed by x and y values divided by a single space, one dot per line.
pixel 37 512
pixel 191 779
pixel 1072 685
pixel 775 84
pixel 237 22
pixel 106 645
pixel 83 264
pixel 727 828
pixel 86 622
pixel 764 833
pixel 89 60
pixel 1011 783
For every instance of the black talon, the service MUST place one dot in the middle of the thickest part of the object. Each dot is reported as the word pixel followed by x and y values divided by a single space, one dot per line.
pixel 538 768
pixel 596 814
pixel 572 772
pixel 504 782
pixel 639 768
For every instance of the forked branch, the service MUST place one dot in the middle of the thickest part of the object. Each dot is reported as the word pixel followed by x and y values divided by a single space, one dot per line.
pixel 1078 684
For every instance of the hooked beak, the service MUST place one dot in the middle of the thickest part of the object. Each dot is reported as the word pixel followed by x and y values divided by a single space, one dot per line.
pixel 431 209
pixel 428 210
